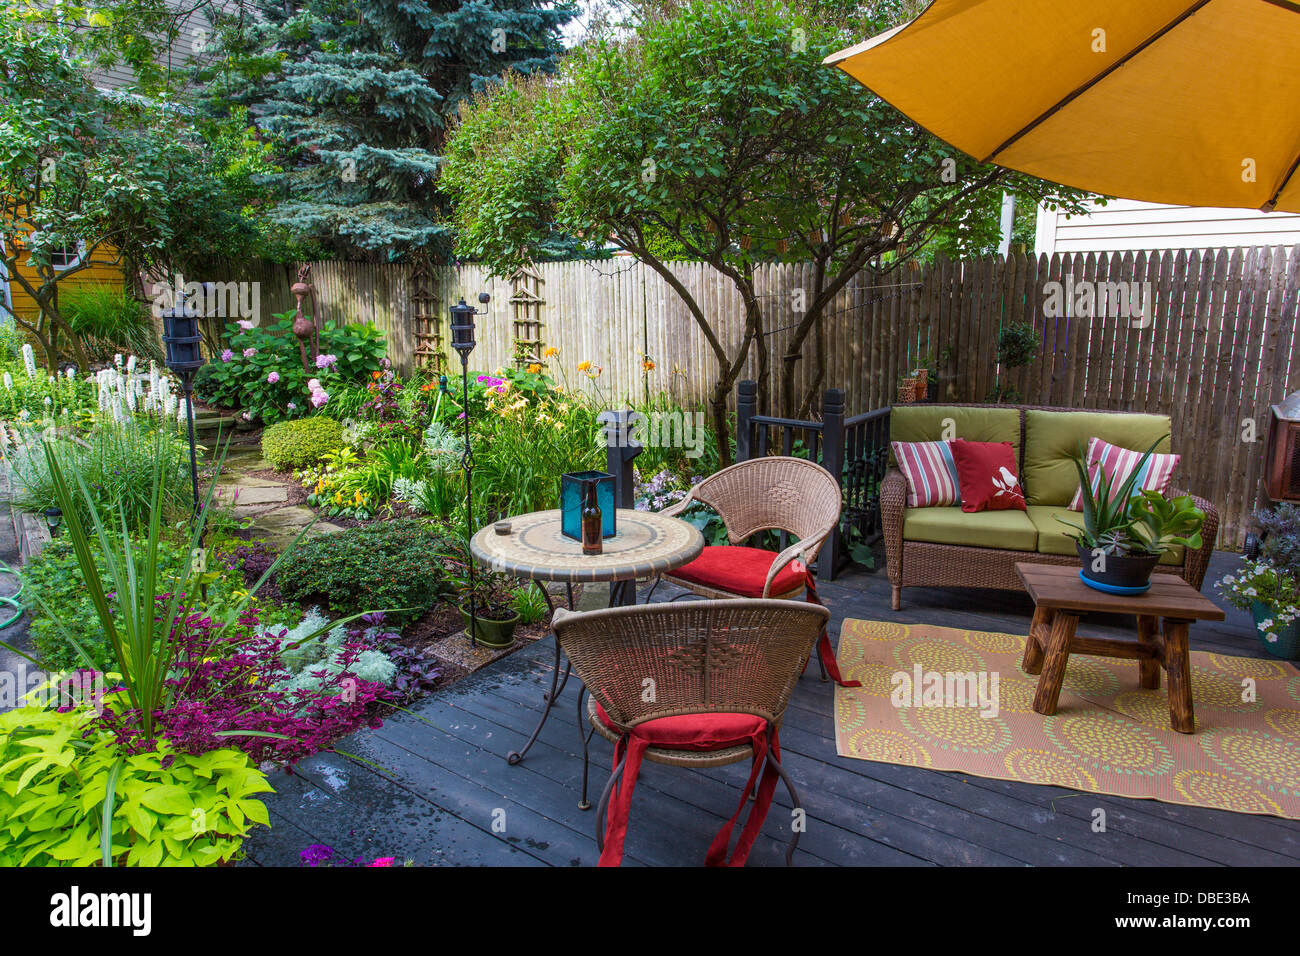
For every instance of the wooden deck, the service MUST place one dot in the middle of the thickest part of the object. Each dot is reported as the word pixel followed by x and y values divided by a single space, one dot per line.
pixel 433 785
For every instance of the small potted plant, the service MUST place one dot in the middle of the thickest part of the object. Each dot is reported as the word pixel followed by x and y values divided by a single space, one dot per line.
pixel 1268 585
pixel 1123 535
pixel 494 619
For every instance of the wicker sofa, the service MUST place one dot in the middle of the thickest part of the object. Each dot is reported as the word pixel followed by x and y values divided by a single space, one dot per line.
pixel 946 547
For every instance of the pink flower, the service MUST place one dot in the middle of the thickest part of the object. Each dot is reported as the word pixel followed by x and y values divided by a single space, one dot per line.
pixel 326 361
pixel 383 861
pixel 249 353
pixel 319 398
pixel 227 355
pixel 313 385
pixel 273 378
pixel 292 406
pixel 245 324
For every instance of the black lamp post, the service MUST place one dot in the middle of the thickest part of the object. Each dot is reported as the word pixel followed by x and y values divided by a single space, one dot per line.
pixel 462 340
pixel 181 340
pixel 53 518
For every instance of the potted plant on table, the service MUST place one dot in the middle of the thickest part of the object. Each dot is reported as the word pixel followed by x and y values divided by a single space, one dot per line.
pixel 495 616
pixel 1268 585
pixel 1123 535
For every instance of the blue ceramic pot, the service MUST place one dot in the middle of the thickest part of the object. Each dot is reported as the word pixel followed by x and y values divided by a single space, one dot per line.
pixel 1287 645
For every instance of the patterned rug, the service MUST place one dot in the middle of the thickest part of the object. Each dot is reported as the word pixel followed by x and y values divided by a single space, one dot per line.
pixel 948 699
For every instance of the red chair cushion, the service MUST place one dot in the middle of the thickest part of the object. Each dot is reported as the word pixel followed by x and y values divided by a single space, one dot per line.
pixel 741 571
pixel 694 731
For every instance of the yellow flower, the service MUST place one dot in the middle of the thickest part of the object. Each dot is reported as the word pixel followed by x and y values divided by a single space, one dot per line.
pixel 583 366
pixel 338 497
pixel 534 368
pixel 648 366
pixel 551 352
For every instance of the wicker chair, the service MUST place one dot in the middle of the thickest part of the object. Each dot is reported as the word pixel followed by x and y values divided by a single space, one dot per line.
pixel 792 495
pixel 704 660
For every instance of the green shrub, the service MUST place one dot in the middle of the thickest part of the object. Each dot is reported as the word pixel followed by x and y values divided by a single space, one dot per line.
pixel 382 567
pixel 169 808
pixel 302 442
pixel 56 576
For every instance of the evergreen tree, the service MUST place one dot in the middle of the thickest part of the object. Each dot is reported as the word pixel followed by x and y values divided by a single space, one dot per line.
pixel 357 96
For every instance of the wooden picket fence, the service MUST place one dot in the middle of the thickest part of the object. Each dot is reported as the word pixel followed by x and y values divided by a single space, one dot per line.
pixel 1217 344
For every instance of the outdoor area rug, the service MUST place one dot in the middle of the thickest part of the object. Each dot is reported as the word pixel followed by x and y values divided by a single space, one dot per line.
pixel 1107 736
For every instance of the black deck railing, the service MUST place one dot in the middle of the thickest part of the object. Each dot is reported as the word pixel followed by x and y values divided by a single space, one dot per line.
pixel 855 449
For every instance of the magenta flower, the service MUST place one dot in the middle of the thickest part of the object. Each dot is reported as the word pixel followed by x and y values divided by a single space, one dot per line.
pixel 273 377
pixel 318 399
pixel 383 861
pixel 249 353
pixel 326 361
pixel 227 355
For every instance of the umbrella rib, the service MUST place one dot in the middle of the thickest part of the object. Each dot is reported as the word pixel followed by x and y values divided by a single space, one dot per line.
pixel 1272 203
pixel 1034 123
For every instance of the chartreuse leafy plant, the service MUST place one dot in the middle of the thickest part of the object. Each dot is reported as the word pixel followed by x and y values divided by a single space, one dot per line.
pixel 68 797
pixel 1159 523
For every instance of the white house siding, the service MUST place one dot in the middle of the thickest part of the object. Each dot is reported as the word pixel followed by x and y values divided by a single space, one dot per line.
pixel 1124 224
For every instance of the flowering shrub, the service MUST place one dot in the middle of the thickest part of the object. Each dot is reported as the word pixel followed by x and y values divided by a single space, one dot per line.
pixel 390 415
pixel 318 854
pixel 261 369
pixel 1262 582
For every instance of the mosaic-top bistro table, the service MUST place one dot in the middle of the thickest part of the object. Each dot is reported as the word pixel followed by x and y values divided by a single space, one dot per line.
pixel 647 544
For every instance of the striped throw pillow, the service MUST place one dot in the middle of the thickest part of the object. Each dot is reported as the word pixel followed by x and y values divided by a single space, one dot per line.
pixel 930 472
pixel 1119 464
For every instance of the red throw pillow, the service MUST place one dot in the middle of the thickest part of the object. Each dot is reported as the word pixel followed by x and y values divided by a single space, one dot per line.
pixel 986 474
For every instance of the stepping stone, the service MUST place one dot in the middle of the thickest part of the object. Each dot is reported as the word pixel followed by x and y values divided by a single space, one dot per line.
pixel 267 494
pixel 459 650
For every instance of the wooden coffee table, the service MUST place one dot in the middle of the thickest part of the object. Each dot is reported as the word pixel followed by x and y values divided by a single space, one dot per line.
pixel 1163 614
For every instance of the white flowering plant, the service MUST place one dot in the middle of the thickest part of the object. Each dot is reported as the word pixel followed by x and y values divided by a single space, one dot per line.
pixel 1262 582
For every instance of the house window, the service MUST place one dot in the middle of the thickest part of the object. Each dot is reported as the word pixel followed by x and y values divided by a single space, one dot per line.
pixel 67 256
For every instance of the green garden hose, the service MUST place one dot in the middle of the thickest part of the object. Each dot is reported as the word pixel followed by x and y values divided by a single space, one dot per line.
pixel 12 599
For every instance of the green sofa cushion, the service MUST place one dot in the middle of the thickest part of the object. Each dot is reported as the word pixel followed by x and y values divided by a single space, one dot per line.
pixel 925 423
pixel 1054 537
pixel 1005 530
pixel 1053 438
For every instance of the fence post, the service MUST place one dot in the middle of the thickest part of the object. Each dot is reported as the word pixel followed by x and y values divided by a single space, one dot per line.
pixel 746 405
pixel 620 449
pixel 833 461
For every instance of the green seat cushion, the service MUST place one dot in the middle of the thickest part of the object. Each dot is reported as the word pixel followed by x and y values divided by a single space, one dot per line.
pixel 1052 439
pixel 926 423
pixel 1005 530
pixel 1054 537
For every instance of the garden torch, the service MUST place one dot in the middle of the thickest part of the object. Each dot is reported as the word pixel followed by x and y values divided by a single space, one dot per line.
pixel 462 340
pixel 181 340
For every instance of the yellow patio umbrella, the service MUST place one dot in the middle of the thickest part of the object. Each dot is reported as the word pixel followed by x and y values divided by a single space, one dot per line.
pixel 1169 101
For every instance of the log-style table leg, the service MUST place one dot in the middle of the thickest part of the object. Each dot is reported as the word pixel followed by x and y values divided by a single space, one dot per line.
pixel 1181 716
pixel 1039 629
pixel 1055 657
pixel 1148 668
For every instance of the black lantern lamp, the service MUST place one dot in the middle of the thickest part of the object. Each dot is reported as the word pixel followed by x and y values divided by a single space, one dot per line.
pixel 53 518
pixel 462 340
pixel 181 341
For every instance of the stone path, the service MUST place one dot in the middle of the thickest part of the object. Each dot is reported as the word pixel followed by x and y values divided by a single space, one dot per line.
pixel 264 500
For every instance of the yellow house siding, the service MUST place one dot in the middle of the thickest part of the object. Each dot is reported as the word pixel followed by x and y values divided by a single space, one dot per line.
pixel 97 273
